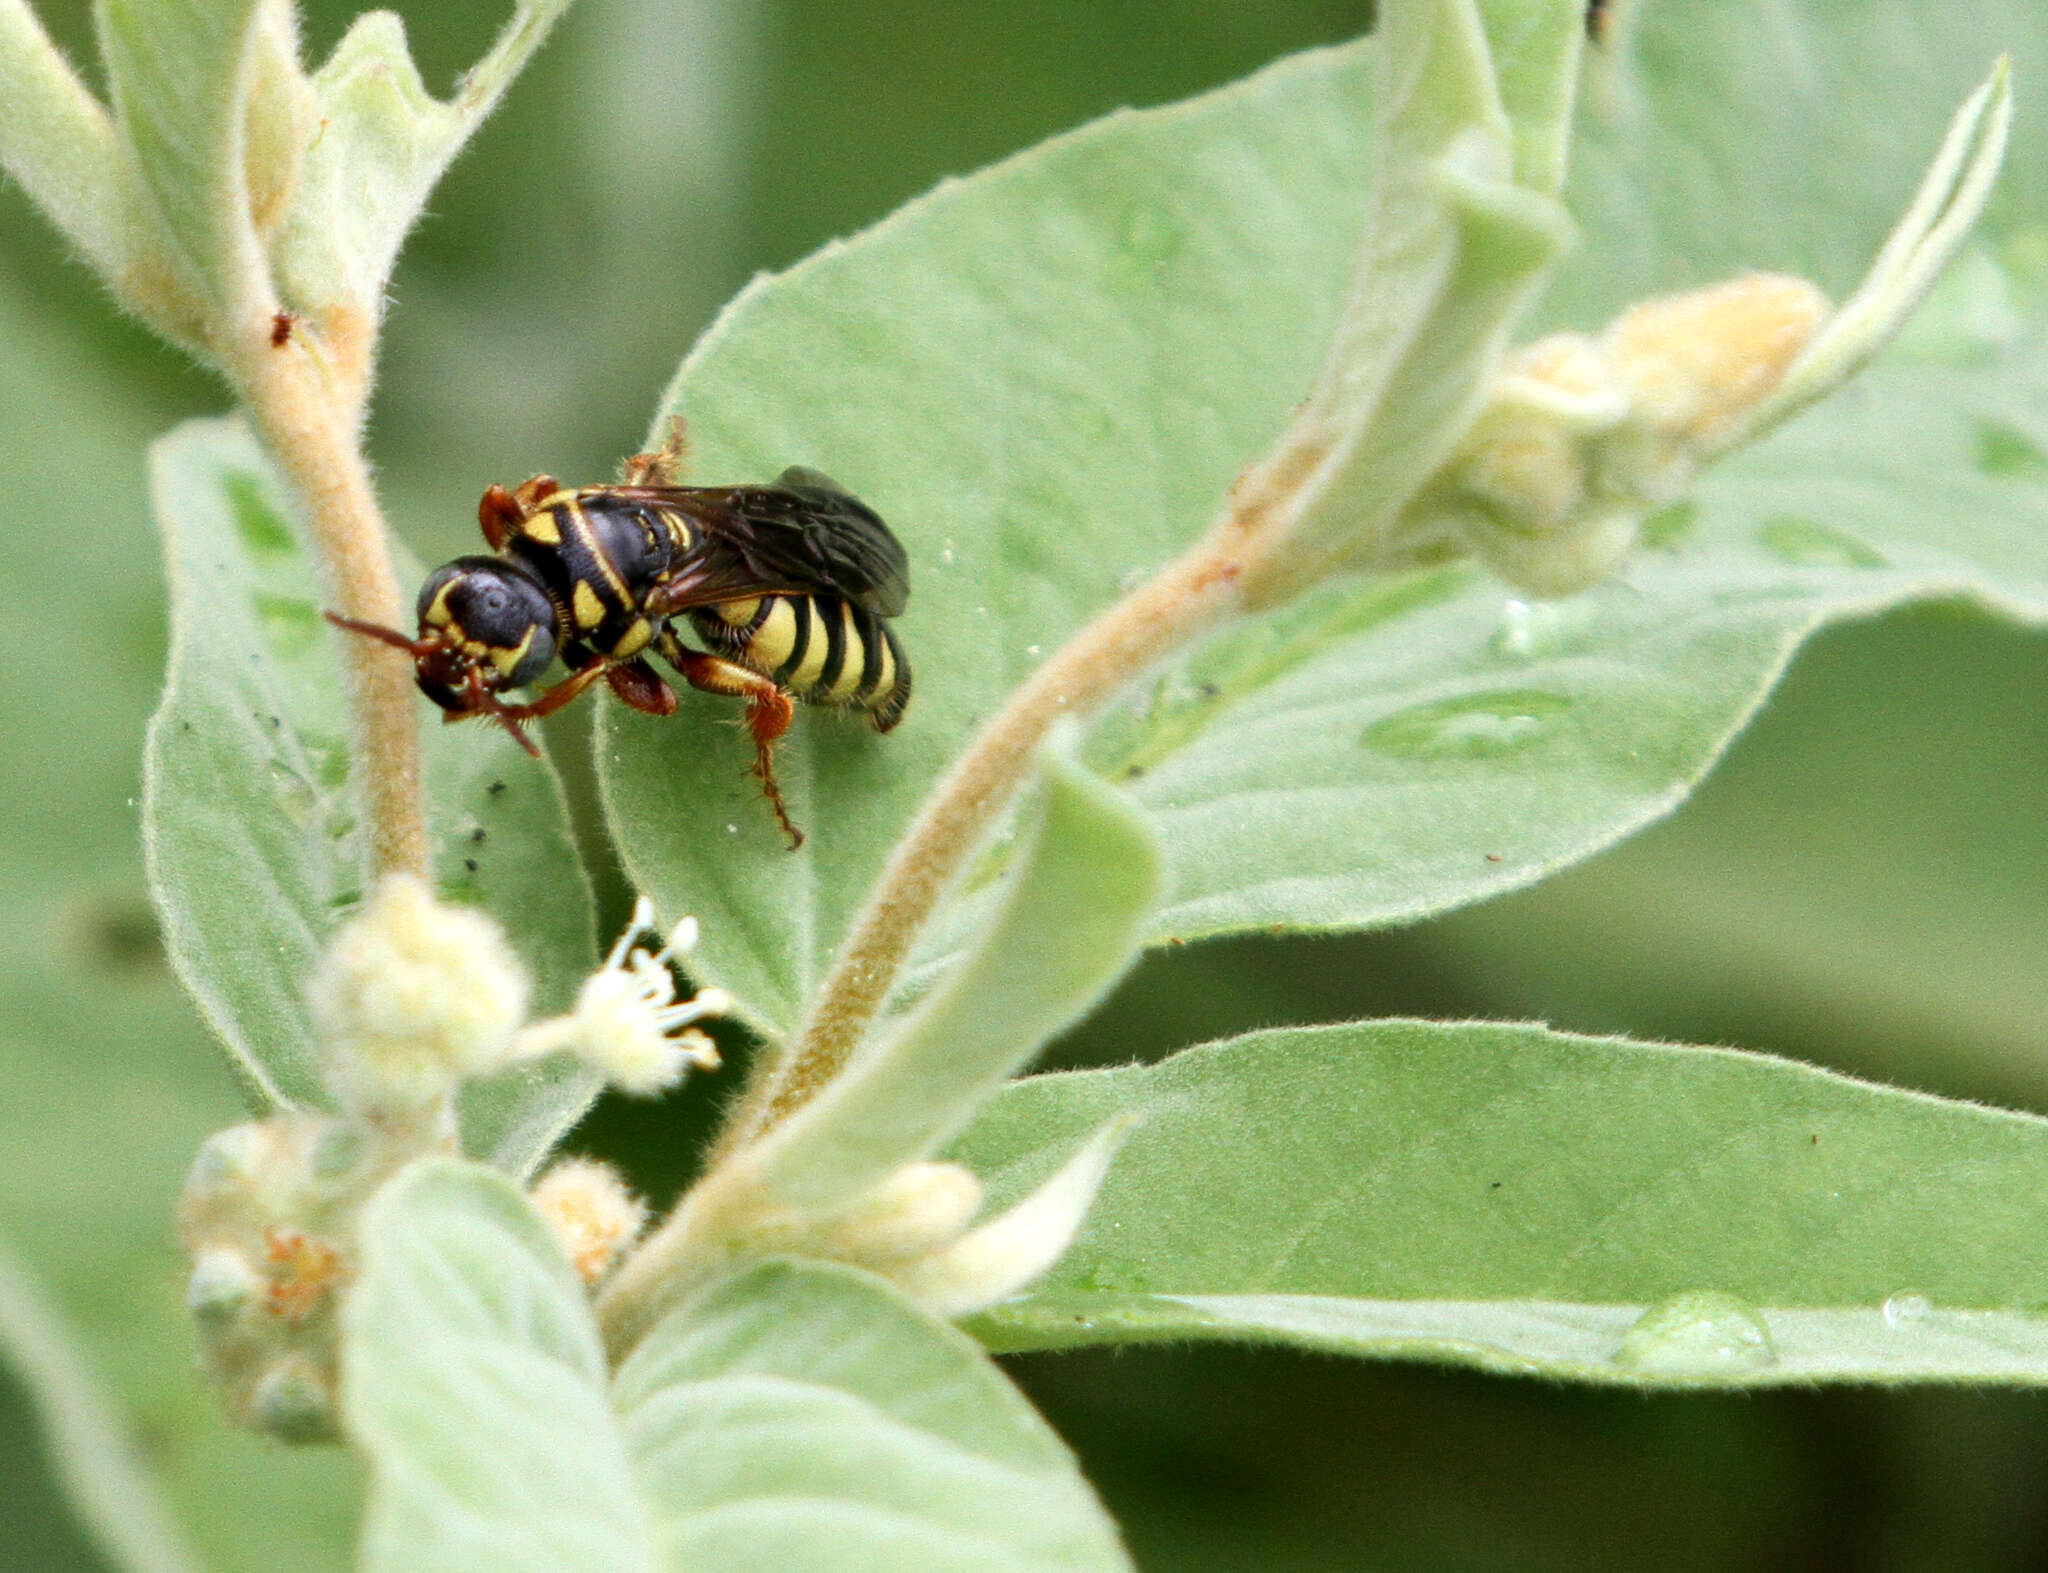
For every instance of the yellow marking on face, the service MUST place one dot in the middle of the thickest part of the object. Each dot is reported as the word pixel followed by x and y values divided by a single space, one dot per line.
pixel 738 614
pixel 770 647
pixel 436 614
pixel 634 639
pixel 805 677
pixel 588 608
pixel 507 661
pixel 854 663
pixel 544 528
pixel 887 681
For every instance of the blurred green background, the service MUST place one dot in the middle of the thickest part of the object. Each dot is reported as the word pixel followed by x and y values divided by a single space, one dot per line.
pixel 1858 884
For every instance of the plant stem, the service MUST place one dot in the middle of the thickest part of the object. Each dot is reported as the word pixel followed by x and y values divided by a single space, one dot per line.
pixel 305 398
pixel 1158 616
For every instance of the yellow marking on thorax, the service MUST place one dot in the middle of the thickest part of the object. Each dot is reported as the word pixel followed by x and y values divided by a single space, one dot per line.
pixel 588 608
pixel 633 640
pixel 770 647
pixel 805 677
pixel 738 614
pixel 855 660
pixel 542 527
pixel 555 499
pixel 507 661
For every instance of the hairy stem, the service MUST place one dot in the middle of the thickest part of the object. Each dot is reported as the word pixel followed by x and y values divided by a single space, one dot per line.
pixel 305 397
pixel 1158 616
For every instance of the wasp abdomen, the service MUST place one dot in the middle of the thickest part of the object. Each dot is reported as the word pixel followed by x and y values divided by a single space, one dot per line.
pixel 822 650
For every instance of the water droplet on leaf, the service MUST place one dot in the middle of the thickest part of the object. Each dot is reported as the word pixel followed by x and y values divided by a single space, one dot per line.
pixel 1903 1310
pixel 1697 1335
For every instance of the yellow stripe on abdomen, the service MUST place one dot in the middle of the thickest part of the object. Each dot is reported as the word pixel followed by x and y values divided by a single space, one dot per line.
pixel 853 665
pixel 775 641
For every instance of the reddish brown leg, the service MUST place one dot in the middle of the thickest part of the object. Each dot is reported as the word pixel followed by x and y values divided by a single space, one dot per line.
pixel 640 686
pixel 769 712
pixel 528 493
pixel 498 514
pixel 664 468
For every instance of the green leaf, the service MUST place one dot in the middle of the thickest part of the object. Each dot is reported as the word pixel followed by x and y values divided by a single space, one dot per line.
pixel 109 1491
pixel 250 825
pixel 383 145
pixel 1042 418
pixel 107 1082
pixel 184 75
pixel 474 1381
pixel 808 1417
pixel 56 140
pixel 1068 925
pixel 795 1417
pixel 1529 1201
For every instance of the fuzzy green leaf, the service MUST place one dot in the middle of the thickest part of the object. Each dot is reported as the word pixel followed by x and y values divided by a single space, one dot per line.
pixel 1529 1201
pixel 384 143
pixel 185 76
pixel 1046 376
pixel 249 823
pixel 474 1382
pixel 805 1417
pixel 793 1418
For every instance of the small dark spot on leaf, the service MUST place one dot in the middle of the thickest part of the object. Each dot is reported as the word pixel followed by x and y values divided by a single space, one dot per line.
pixel 1495 1186
pixel 1207 690
pixel 470 864
pixel 495 788
pixel 1176 940
pixel 1493 857
pixel 274 722
pixel 477 834
pixel 1816 1139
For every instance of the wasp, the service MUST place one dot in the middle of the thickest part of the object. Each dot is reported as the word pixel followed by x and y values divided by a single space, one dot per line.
pixel 789 586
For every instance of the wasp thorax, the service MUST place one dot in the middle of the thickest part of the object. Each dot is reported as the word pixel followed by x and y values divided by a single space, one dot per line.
pixel 490 614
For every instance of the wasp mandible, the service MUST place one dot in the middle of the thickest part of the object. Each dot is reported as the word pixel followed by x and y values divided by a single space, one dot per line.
pixel 791 586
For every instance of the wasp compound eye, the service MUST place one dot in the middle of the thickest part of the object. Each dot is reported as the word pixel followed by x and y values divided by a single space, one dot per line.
pixel 493 613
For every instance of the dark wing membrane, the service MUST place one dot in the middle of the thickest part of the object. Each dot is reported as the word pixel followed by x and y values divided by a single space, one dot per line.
pixel 805 533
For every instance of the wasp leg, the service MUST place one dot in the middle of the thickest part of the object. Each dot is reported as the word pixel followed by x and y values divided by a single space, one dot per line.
pixel 769 712
pixel 640 686
pixel 664 468
pixel 528 493
pixel 498 514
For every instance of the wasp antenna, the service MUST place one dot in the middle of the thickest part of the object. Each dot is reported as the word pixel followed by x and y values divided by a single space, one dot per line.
pixel 391 636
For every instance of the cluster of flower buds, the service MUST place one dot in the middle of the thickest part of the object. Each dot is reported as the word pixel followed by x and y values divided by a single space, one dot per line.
pixel 411 998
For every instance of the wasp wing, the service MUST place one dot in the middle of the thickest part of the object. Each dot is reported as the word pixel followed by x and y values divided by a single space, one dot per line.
pixel 806 534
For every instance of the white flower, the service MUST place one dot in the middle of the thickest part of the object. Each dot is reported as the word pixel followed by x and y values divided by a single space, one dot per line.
pixel 628 1022
pixel 412 995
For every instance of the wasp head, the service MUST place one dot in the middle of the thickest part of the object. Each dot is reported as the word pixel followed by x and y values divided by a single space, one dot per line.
pixel 485 626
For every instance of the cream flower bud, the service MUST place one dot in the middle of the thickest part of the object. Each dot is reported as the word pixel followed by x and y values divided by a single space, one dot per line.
pixel 628 1023
pixel 592 1213
pixel 920 1208
pixel 1005 1255
pixel 412 995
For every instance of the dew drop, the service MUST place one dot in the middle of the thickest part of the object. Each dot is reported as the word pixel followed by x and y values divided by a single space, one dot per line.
pixel 1031 649
pixel 1805 544
pixel 1903 1310
pixel 1697 1334
pixel 732 830
pixel 289 625
pixel 2008 453
pixel 1470 726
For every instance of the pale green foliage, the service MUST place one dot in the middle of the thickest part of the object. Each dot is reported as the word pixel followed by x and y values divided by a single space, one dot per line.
pixel 1047 377
pixel 797 1417
pixel 222 183
pixel 253 845
pixel 1517 1199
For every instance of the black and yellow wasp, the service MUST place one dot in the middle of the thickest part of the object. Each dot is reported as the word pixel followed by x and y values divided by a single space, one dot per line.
pixel 791 586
